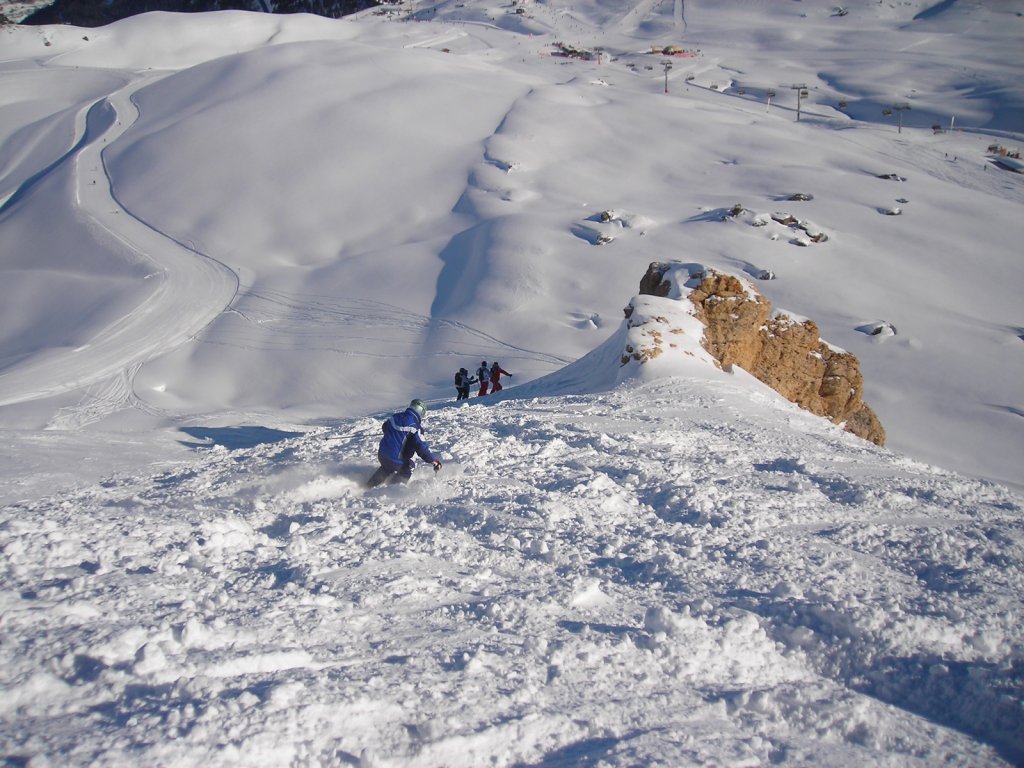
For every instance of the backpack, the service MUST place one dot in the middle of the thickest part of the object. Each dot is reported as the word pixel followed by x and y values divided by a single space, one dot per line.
pixel 458 379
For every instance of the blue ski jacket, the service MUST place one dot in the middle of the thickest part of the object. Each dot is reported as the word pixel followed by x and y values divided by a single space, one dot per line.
pixel 403 436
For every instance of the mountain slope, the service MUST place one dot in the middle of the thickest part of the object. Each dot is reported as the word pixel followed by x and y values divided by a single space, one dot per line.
pixel 232 243
pixel 429 194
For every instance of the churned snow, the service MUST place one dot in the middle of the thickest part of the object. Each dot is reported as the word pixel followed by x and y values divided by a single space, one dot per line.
pixel 232 243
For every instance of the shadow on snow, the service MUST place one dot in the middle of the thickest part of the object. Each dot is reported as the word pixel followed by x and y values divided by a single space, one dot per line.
pixel 234 438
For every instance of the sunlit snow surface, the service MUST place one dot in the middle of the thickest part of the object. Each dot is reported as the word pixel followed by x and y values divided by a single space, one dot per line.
pixel 231 243
pixel 678 574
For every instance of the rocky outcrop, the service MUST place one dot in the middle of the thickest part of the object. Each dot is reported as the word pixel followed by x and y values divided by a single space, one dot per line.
pixel 653 283
pixel 786 354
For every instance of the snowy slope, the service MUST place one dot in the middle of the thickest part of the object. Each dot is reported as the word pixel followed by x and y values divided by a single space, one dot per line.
pixel 231 243
pixel 677 574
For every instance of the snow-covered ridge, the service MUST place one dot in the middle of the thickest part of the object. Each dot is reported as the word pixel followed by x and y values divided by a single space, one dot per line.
pixel 172 41
pixel 660 337
pixel 688 319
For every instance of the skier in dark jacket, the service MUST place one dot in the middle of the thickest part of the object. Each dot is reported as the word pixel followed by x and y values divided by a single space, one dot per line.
pixel 496 371
pixel 483 373
pixel 462 382
pixel 403 438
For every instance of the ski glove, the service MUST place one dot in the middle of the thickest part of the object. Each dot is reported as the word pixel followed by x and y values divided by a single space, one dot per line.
pixel 437 465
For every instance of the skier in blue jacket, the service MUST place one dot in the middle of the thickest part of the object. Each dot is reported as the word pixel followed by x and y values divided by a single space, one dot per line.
pixel 403 438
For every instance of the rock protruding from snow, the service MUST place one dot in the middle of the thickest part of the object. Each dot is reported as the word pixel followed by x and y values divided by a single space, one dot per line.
pixel 786 354
pixel 654 281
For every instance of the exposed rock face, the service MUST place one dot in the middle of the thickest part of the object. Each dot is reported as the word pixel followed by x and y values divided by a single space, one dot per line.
pixel 787 355
pixel 653 283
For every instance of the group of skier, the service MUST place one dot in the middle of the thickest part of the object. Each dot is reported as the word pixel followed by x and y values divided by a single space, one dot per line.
pixel 484 375
pixel 403 431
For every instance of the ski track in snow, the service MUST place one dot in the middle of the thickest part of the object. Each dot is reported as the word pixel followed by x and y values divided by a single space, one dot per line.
pixel 193 288
pixel 347 324
pixel 674 575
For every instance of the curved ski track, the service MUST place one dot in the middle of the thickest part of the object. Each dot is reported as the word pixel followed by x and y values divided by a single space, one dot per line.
pixel 193 287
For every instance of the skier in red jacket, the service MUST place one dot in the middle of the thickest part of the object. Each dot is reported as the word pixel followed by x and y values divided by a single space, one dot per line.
pixel 496 371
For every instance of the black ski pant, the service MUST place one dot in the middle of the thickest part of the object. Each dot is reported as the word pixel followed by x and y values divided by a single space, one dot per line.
pixel 390 472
